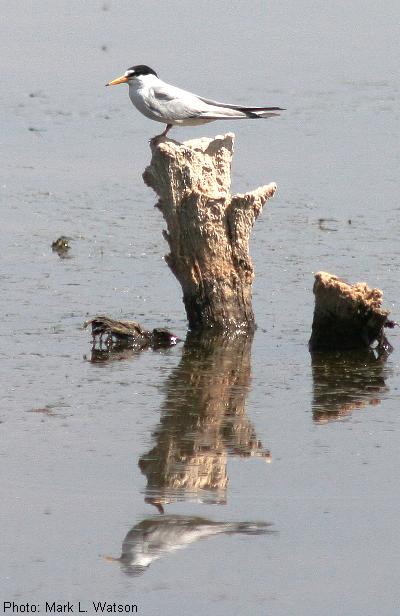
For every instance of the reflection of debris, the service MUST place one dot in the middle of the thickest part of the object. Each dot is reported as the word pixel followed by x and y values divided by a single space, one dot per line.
pixel 104 48
pixel 116 352
pixel 128 333
pixel 61 246
pixel 158 536
pixel 32 129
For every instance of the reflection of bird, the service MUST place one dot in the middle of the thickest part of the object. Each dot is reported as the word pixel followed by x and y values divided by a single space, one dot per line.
pixel 158 536
pixel 165 103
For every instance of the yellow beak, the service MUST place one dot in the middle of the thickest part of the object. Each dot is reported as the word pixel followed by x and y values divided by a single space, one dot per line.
pixel 115 82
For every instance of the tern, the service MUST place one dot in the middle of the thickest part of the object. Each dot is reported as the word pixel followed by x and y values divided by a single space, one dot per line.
pixel 172 106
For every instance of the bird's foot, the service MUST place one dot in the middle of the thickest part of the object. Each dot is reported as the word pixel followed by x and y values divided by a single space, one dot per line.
pixel 158 138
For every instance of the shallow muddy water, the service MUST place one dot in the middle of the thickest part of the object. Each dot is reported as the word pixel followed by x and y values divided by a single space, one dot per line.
pixel 212 477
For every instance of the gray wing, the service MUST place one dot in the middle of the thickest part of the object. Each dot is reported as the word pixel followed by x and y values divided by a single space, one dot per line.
pixel 183 105
pixel 177 104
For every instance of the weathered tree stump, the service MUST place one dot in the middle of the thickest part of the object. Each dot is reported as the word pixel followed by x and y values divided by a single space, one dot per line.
pixel 208 228
pixel 347 316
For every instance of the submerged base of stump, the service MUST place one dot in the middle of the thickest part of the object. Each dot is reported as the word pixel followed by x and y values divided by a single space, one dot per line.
pixel 347 316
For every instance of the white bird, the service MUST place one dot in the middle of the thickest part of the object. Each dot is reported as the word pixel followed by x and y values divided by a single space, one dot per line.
pixel 165 103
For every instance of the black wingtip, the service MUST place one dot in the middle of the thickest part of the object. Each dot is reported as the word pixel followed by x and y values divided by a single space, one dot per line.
pixel 258 109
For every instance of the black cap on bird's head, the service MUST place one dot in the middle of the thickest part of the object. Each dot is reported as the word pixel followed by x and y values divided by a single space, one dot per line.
pixel 130 73
pixel 141 69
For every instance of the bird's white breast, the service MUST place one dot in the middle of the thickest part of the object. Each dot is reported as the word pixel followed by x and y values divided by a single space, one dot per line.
pixel 140 93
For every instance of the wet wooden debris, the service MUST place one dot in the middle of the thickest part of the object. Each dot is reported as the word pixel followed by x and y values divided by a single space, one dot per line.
pixel 130 333
pixel 61 246
pixel 347 316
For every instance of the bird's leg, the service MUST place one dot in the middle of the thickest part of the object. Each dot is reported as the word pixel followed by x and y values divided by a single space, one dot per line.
pixel 154 140
pixel 167 128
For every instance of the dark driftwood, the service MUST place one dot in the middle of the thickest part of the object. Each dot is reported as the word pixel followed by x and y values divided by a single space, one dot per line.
pixel 347 316
pixel 128 333
pixel 61 246
pixel 208 228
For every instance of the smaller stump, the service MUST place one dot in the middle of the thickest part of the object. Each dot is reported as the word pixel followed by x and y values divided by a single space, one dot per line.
pixel 347 316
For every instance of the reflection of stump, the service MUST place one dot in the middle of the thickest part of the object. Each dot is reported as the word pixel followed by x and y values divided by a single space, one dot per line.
pixel 346 381
pixel 346 316
pixel 203 419
pixel 208 228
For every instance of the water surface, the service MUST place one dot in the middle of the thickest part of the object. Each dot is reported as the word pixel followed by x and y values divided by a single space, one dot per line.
pixel 253 476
